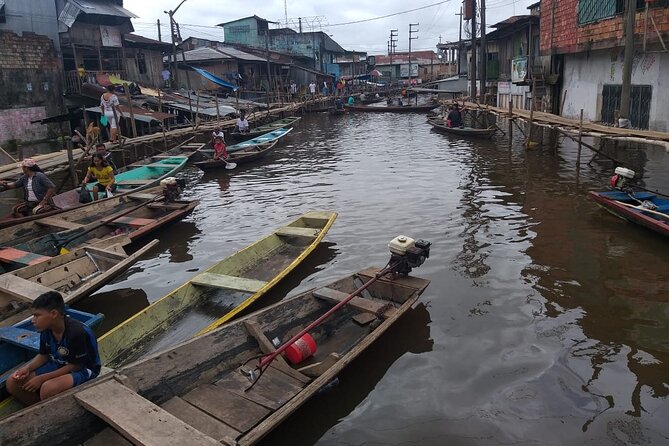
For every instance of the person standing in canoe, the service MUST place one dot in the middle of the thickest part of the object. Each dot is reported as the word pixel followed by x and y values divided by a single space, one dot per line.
pixel 38 190
pixel 68 354
pixel 242 124
pixel 101 171
pixel 220 149
pixel 110 107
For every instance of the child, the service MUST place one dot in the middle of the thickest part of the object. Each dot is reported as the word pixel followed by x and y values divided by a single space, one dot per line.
pixel 68 354
pixel 219 149
pixel 103 173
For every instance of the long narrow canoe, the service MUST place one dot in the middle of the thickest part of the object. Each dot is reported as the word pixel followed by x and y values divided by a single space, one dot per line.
pixel 74 275
pixel 70 199
pixel 461 131
pixel 134 214
pixel 391 108
pixel 229 286
pixel 244 156
pixel 195 393
pixel 272 136
pixel 622 205
pixel 20 343
pixel 263 129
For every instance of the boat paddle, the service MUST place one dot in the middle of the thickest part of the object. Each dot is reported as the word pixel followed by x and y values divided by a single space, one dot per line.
pixel 228 165
pixel 643 209
pixel 60 246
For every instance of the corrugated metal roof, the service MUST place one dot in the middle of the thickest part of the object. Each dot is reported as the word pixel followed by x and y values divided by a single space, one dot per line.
pixel 239 54
pixel 204 53
pixel 73 8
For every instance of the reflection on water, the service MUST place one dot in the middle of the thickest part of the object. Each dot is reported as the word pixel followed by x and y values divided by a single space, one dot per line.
pixel 545 314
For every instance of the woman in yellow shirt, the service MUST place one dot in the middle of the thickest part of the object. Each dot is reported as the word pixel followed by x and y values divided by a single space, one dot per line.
pixel 103 173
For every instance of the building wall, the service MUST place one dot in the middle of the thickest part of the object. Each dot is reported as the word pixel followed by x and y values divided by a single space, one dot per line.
pixel 198 82
pixel 38 16
pixel 244 32
pixel 154 66
pixel 30 85
pixel 519 94
pixel 585 76
pixel 561 33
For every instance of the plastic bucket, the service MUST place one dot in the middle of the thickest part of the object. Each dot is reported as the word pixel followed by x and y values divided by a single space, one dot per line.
pixel 303 348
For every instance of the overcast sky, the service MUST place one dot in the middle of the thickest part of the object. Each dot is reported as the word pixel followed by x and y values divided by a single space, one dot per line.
pixel 436 19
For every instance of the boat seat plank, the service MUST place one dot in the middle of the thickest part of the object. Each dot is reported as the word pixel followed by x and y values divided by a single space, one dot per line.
pixel 233 410
pixel 20 257
pixel 141 196
pixel 20 288
pixel 295 231
pixel 168 206
pixel 58 223
pixel 134 182
pixel 273 389
pixel 133 221
pixel 229 282
pixel 201 421
pixel 359 303
pixel 107 437
pixel 266 346
pixel 21 337
pixel 106 253
pixel 138 419
pixel 317 369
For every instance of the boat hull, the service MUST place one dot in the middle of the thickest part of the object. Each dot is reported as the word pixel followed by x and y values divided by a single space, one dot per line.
pixel 391 108
pixel 241 157
pixel 462 131
pixel 618 203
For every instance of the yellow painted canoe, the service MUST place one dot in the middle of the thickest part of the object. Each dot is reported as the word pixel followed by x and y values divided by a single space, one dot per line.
pixel 227 288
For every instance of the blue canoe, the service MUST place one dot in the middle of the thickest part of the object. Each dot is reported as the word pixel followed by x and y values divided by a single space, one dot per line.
pixel 636 208
pixel 19 343
pixel 260 140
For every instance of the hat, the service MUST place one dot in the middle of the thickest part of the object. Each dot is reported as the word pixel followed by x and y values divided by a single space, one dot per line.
pixel 28 162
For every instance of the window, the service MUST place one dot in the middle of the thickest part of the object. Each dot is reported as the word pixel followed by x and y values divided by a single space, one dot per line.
pixel 590 11
pixel 141 63
pixel 640 99
pixel 3 16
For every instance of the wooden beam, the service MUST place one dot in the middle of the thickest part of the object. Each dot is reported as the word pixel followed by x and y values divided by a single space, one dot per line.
pixel 229 282
pixel 359 303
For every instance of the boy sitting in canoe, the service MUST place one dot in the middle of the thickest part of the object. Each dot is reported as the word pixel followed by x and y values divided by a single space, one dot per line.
pixel 68 354
pixel 220 149
pixel 454 117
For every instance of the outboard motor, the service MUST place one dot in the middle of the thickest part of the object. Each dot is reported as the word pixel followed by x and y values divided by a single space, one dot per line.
pixel 172 188
pixel 623 180
pixel 407 253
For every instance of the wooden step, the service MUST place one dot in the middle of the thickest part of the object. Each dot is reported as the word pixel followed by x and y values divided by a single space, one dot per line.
pixel 25 290
pixel 230 282
pixel 296 231
pixel 138 419
pixel 58 223
pixel 359 303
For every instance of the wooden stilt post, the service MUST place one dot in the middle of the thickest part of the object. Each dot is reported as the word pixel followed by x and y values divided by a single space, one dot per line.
pixel 162 123
pixel 580 140
pixel 133 125
pixel 218 114
pixel 197 109
pixel 531 123
pixel 510 121
pixel 70 160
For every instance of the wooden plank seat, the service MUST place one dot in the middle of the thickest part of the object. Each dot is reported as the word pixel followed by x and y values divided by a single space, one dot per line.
pixel 168 206
pixel 134 182
pixel 20 257
pixel 359 303
pixel 272 390
pixel 138 419
pixel 20 336
pixel 133 221
pixel 295 231
pixel 20 288
pixel 141 196
pixel 201 420
pixel 230 282
pixel 58 223
pixel 112 255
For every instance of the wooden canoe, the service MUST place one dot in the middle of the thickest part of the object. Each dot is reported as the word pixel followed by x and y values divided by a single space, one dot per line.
pixel 233 284
pixel 35 241
pixel 19 343
pixel 70 199
pixel 391 108
pixel 244 156
pixel 268 137
pixel 622 205
pixel 462 131
pixel 337 111
pixel 195 394
pixel 74 275
pixel 288 122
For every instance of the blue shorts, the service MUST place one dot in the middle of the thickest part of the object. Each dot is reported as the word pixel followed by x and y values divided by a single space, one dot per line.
pixel 79 377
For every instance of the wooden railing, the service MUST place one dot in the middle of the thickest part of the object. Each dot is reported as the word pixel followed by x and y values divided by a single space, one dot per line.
pixel 73 81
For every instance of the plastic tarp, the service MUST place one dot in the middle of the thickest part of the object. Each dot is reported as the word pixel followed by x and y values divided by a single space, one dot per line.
pixel 215 79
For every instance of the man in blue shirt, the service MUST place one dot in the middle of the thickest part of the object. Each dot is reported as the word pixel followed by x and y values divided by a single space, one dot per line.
pixel 68 354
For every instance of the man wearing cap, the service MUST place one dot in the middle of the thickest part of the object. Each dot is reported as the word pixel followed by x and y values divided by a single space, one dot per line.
pixel 38 190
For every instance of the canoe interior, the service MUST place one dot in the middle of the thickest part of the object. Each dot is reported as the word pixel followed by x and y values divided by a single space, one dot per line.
pixel 216 294
pixel 260 130
pixel 462 131
pixel 40 237
pixel 615 202
pixel 199 381
pixel 244 156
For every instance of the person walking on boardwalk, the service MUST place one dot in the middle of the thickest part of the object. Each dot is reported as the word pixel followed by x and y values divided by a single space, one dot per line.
pixel 293 90
pixel 312 89
pixel 110 107
pixel 38 190
pixel 68 354
pixel 103 173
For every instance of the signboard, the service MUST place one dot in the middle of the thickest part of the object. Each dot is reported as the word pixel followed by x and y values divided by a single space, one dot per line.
pixel 110 36
pixel 404 70
pixel 518 70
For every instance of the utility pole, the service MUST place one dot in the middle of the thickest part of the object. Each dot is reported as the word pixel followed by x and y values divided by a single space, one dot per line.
pixel 411 32
pixel 630 13
pixel 160 39
pixel 460 44
pixel 484 54
pixel 174 31
pixel 393 41
pixel 472 74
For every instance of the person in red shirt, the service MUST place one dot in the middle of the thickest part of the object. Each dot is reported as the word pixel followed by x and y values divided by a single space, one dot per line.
pixel 220 149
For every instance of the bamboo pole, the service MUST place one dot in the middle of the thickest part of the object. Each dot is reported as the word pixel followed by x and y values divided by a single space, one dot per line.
pixel 531 123
pixel 162 122
pixel 218 115
pixel 510 119
pixel 197 109
pixel 133 126
pixel 580 140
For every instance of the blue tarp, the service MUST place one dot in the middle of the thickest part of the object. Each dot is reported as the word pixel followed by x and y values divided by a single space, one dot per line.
pixel 215 79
